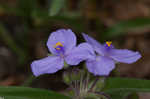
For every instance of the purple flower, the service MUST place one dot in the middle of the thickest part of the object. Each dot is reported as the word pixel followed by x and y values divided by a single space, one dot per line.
pixel 62 45
pixel 106 56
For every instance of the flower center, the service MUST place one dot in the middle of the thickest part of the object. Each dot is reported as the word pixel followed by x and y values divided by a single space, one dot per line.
pixel 108 43
pixel 58 45
pixel 59 48
pixel 108 46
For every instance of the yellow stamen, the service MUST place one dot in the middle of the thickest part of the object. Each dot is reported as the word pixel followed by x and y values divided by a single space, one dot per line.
pixel 58 48
pixel 108 43
pixel 58 44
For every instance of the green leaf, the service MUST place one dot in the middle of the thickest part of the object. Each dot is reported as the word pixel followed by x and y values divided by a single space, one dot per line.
pixel 120 87
pixel 55 7
pixel 11 97
pixel 29 93
pixel 134 25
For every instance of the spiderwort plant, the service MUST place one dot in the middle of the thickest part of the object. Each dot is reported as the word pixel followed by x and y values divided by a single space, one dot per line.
pixel 62 45
pixel 100 60
pixel 106 56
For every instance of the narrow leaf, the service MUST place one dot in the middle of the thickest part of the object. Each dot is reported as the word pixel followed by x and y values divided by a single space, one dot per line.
pixel 134 25
pixel 119 87
pixel 29 93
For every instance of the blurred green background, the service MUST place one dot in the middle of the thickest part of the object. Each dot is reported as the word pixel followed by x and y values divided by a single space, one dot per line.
pixel 26 24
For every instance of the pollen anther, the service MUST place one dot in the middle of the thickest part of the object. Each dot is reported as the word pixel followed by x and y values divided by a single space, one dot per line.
pixel 58 44
pixel 108 43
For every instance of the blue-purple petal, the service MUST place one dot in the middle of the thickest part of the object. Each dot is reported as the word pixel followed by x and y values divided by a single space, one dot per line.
pixel 99 48
pixel 101 66
pixel 124 55
pixel 64 36
pixel 50 64
pixel 82 52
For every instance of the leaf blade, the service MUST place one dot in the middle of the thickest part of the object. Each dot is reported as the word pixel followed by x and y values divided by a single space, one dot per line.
pixel 30 93
pixel 118 88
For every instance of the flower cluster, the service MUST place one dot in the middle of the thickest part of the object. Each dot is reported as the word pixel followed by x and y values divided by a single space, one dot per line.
pixel 100 59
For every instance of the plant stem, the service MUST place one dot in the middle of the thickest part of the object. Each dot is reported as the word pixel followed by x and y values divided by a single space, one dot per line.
pixel 93 85
pixel 105 95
